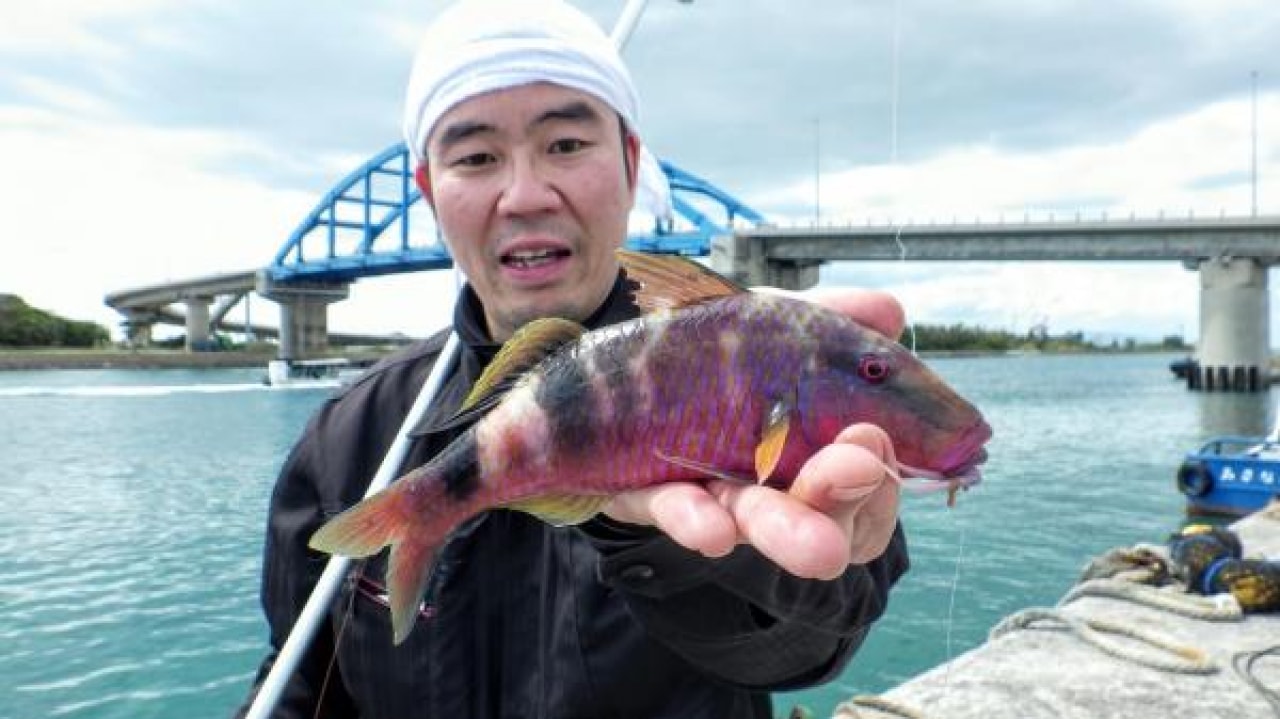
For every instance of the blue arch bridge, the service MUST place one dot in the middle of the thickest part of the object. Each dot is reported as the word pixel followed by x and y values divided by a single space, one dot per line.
pixel 364 227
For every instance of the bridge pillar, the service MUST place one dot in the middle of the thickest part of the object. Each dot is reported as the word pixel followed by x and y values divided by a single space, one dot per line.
pixel 1234 352
pixel 198 323
pixel 744 260
pixel 304 314
pixel 137 328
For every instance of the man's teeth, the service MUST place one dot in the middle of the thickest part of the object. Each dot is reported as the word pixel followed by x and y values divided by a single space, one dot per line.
pixel 531 258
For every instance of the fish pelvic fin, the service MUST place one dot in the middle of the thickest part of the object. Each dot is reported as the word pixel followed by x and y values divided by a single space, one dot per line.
pixel 667 282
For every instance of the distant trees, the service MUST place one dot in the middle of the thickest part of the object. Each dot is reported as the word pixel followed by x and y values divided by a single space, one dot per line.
pixel 965 338
pixel 24 326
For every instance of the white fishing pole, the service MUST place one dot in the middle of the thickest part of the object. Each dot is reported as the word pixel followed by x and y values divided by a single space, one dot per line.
pixel 317 606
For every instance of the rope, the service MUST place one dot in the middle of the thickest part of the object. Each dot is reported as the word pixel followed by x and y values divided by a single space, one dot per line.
pixel 880 705
pixel 1243 663
pixel 1214 608
pixel 1188 660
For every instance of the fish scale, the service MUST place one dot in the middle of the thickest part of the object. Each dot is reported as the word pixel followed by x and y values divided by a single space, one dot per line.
pixel 713 381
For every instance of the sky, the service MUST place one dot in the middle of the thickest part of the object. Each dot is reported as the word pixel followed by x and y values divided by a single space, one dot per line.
pixel 144 141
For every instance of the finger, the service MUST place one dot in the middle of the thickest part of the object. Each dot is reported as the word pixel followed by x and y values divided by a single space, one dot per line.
pixel 854 482
pixel 873 524
pixel 794 536
pixel 684 511
pixel 848 470
pixel 880 311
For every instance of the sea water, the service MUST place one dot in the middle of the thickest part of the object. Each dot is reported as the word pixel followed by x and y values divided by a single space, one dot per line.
pixel 132 506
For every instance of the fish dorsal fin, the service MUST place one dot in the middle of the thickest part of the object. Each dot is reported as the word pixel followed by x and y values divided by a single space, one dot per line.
pixel 526 348
pixel 669 281
pixel 562 509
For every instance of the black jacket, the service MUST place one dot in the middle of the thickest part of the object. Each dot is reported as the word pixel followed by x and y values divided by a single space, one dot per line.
pixel 600 620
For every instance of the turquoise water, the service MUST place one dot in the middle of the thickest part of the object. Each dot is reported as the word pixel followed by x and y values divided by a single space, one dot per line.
pixel 133 503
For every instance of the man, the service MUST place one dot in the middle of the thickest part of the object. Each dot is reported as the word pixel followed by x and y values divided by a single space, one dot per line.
pixel 686 600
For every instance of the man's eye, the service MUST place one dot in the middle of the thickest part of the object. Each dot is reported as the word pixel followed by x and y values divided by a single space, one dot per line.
pixel 567 145
pixel 475 159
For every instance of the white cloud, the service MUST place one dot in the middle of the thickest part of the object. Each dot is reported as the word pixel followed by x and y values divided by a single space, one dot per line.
pixel 1197 162
pixel 94 207
pixel 64 25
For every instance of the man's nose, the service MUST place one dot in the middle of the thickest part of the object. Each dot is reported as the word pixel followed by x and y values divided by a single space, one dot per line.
pixel 528 189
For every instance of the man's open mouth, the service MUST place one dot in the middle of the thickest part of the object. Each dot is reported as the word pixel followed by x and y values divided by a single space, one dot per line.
pixel 528 259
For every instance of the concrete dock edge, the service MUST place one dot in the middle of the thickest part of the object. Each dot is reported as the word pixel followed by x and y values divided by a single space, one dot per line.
pixel 1042 669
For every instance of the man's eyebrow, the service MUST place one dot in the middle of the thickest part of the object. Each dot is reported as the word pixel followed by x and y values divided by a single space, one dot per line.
pixel 459 131
pixel 575 111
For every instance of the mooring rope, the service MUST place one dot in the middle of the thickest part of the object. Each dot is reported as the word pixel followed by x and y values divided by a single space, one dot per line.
pixel 1243 663
pixel 1187 660
pixel 853 708
pixel 1214 608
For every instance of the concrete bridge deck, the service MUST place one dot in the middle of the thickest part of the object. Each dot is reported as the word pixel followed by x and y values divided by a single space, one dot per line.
pixel 1187 240
pixel 1036 672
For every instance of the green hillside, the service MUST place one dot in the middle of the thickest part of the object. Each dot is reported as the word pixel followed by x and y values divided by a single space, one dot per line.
pixel 22 325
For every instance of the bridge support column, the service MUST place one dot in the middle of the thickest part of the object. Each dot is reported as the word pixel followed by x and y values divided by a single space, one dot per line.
pixel 744 260
pixel 198 323
pixel 137 328
pixel 1234 352
pixel 304 314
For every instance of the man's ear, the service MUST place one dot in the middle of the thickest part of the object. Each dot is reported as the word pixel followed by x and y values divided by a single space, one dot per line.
pixel 423 179
pixel 631 146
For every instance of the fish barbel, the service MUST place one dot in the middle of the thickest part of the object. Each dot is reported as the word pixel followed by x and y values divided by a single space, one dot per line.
pixel 712 381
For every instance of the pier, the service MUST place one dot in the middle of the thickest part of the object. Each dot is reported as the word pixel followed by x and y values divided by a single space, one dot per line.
pixel 1107 651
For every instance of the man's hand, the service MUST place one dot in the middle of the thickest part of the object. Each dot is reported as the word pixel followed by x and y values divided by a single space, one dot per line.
pixel 840 510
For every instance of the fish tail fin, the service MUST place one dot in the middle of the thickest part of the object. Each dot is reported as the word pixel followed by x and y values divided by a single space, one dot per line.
pixel 407 571
pixel 412 523
pixel 364 529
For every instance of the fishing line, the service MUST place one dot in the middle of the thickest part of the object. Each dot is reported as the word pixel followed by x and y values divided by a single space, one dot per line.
pixel 353 580
pixel 898 225
pixel 894 91
pixel 951 602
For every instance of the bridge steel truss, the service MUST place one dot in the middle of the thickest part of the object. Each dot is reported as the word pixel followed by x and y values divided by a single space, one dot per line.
pixel 362 227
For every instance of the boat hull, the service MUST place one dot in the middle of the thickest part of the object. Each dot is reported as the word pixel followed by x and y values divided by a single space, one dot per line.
pixel 1231 476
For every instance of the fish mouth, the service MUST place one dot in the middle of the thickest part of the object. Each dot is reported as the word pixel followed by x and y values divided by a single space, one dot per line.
pixel 961 465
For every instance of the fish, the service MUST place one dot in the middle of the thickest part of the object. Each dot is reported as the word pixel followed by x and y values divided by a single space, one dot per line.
pixel 712 380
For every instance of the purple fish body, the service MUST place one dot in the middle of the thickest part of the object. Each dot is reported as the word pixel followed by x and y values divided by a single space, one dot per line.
pixel 745 385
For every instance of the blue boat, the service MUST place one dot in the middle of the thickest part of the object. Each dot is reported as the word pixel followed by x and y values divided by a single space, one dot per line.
pixel 1231 475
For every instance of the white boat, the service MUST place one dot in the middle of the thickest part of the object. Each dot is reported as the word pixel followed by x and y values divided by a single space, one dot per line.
pixel 331 372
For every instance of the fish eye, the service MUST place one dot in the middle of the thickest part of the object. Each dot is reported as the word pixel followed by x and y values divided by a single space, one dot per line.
pixel 874 368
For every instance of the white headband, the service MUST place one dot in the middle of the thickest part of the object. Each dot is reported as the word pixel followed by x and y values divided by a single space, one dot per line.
pixel 478 46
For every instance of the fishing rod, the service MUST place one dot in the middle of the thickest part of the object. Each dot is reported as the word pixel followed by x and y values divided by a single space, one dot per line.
pixel 317 606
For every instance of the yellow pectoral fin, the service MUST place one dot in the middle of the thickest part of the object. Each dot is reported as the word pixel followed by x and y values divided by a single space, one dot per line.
pixel 562 509
pixel 772 440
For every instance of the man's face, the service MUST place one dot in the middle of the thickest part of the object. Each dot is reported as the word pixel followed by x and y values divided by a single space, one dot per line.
pixel 531 192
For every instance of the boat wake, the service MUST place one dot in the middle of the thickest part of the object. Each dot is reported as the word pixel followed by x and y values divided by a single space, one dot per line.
pixel 142 390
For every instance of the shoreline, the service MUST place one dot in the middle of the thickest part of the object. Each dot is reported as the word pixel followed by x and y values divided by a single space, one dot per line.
pixel 64 359
pixel 70 359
